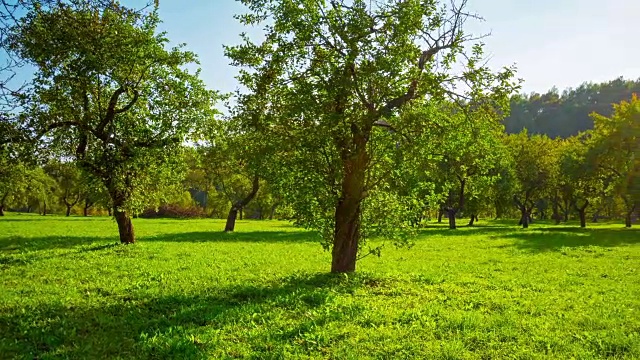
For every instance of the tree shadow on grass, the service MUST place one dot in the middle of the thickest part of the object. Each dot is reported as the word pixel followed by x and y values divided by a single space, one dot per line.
pixel 34 218
pixel 24 251
pixel 556 238
pixel 300 236
pixel 16 244
pixel 177 325
pixel 465 231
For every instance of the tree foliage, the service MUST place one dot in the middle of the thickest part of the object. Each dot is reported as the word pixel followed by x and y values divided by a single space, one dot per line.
pixel 335 71
pixel 616 152
pixel 533 169
pixel 567 114
pixel 107 91
pixel 468 147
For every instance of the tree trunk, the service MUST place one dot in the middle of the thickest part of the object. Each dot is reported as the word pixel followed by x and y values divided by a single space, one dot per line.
pixel 451 213
pixel 631 208
pixel 44 208
pixel 567 210
pixel 87 205
pixel 556 214
pixel 68 211
pixel 454 210
pixel 2 201
pixel 582 213
pixel 231 219
pixel 237 206
pixel 347 215
pixel 583 218
pixel 440 215
pixel 627 220
pixel 472 221
pixel 346 236
pixel 241 213
pixel 125 226
pixel 109 210
pixel 524 220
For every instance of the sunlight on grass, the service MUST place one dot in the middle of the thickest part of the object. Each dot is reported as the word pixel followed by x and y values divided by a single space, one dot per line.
pixel 188 290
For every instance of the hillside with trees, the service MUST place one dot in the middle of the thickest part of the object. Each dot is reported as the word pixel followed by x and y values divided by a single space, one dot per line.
pixel 568 113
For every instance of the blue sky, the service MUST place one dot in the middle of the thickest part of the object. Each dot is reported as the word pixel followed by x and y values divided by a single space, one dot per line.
pixel 552 42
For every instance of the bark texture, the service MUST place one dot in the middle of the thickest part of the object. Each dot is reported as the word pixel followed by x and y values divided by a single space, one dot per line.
pixel 451 213
pixel 125 227
pixel 347 216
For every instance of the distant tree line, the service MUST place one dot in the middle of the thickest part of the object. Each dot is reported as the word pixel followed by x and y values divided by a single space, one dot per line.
pixel 568 113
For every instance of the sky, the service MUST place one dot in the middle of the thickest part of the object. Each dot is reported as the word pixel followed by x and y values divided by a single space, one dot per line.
pixel 560 43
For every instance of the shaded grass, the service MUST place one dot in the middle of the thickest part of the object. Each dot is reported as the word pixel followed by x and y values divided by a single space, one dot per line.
pixel 187 290
pixel 557 238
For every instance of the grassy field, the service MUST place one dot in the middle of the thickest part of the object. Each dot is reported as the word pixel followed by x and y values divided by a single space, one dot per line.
pixel 187 290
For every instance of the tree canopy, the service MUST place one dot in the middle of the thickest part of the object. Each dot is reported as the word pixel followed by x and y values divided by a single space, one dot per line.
pixel 337 70
pixel 108 92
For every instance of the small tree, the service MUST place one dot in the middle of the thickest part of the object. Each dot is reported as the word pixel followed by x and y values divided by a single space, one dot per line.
pixel 468 157
pixel 69 183
pixel 17 157
pixel 560 190
pixel 616 152
pixel 42 190
pixel 582 182
pixel 13 184
pixel 93 194
pixel 533 160
pixel 108 92
pixel 501 191
pixel 233 160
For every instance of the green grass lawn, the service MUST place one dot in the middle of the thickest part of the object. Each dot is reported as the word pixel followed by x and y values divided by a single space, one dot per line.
pixel 187 290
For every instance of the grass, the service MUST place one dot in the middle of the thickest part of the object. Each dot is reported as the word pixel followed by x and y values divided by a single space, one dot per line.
pixel 187 290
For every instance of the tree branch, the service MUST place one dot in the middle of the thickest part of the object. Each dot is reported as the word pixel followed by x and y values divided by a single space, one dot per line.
pixel 111 112
pixel 254 190
pixel 133 101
